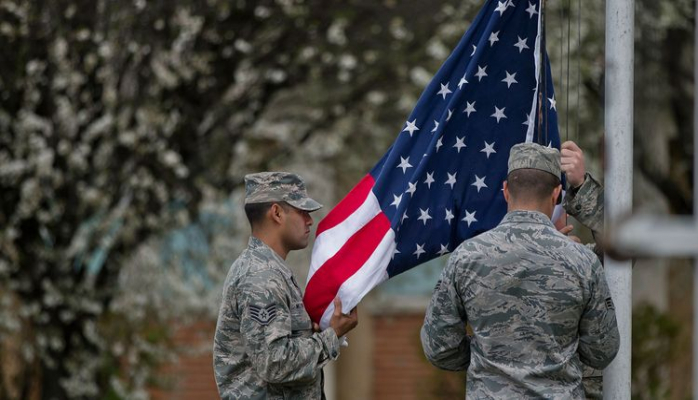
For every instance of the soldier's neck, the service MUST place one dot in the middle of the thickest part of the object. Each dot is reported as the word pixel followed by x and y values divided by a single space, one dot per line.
pixel 273 241
pixel 547 210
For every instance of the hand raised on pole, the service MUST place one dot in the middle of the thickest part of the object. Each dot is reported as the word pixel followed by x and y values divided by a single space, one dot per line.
pixel 572 163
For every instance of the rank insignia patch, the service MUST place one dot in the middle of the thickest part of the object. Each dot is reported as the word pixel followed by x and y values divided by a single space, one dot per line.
pixel 263 315
pixel 609 304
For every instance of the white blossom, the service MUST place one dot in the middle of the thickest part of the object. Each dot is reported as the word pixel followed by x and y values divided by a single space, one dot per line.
pixel 336 32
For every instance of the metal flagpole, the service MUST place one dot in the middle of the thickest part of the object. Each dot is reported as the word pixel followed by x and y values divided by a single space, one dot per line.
pixel 620 27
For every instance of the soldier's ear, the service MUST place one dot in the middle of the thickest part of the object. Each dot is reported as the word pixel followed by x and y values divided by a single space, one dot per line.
pixel 276 213
pixel 558 194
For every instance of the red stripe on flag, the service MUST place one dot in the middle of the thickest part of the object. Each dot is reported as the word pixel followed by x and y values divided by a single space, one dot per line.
pixel 347 206
pixel 324 285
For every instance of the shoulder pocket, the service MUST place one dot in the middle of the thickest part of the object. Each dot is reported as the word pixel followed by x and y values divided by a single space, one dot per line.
pixel 300 320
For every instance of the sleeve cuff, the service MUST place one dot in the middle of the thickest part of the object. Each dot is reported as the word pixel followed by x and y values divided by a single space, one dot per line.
pixel 331 343
pixel 572 203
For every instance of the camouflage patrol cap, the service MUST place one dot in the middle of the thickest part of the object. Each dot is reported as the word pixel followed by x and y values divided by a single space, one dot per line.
pixel 265 187
pixel 534 156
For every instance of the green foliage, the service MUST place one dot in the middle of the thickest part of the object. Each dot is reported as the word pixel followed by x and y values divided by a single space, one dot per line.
pixel 654 346
pixel 111 112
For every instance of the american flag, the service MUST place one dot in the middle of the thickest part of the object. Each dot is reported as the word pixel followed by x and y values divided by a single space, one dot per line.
pixel 440 182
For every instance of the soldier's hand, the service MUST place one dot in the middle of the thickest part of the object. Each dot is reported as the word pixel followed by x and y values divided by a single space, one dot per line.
pixel 575 239
pixel 572 163
pixel 316 327
pixel 565 230
pixel 343 323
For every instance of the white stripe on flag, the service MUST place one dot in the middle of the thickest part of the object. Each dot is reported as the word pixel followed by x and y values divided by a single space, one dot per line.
pixel 329 242
pixel 539 64
pixel 370 275
pixel 559 211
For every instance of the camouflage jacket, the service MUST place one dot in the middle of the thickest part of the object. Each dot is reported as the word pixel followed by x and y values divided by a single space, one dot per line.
pixel 586 205
pixel 538 305
pixel 264 346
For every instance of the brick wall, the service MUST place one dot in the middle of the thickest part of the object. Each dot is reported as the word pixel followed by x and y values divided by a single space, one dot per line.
pixel 401 372
pixel 191 378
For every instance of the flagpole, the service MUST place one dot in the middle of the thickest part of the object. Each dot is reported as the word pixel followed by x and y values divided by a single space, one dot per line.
pixel 620 27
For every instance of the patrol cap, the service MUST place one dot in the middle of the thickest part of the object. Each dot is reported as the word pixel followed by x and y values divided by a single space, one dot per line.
pixel 534 156
pixel 265 187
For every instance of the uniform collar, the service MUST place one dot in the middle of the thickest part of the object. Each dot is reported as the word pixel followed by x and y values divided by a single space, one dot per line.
pixel 519 216
pixel 254 244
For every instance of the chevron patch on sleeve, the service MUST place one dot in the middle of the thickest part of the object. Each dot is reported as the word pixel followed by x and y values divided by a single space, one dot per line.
pixel 609 304
pixel 263 315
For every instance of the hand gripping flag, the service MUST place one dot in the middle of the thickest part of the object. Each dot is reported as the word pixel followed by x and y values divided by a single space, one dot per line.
pixel 440 182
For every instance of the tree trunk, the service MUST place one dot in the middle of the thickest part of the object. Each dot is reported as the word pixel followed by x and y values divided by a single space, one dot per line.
pixel 51 388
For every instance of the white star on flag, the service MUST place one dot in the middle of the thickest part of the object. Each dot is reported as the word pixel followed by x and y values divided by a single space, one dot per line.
pixel 420 250
pixel 449 216
pixel 396 200
pixel 444 250
pixel 481 72
pixel 498 113
pixel 430 179
pixel 444 90
pixel 411 127
pixel 439 143
pixel 462 82
pixel 459 143
pixel 553 103
pixel 470 108
pixel 451 179
pixel 510 79
pixel 424 217
pixel 530 119
pixel 394 253
pixel 531 10
pixel 479 183
pixel 469 217
pixel 489 149
pixel 494 38
pixel 404 164
pixel 412 188
pixel 521 44
pixel 501 7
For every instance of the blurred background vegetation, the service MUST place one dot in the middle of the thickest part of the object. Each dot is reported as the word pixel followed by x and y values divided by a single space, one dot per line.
pixel 126 127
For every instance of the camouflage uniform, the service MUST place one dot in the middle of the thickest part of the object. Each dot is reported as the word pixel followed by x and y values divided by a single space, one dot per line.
pixel 264 347
pixel 586 204
pixel 537 302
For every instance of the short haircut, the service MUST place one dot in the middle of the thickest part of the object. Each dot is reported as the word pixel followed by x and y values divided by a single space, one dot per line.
pixel 256 211
pixel 531 184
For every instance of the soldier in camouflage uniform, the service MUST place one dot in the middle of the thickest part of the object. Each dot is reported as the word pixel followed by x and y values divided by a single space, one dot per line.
pixel 584 201
pixel 537 302
pixel 266 346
